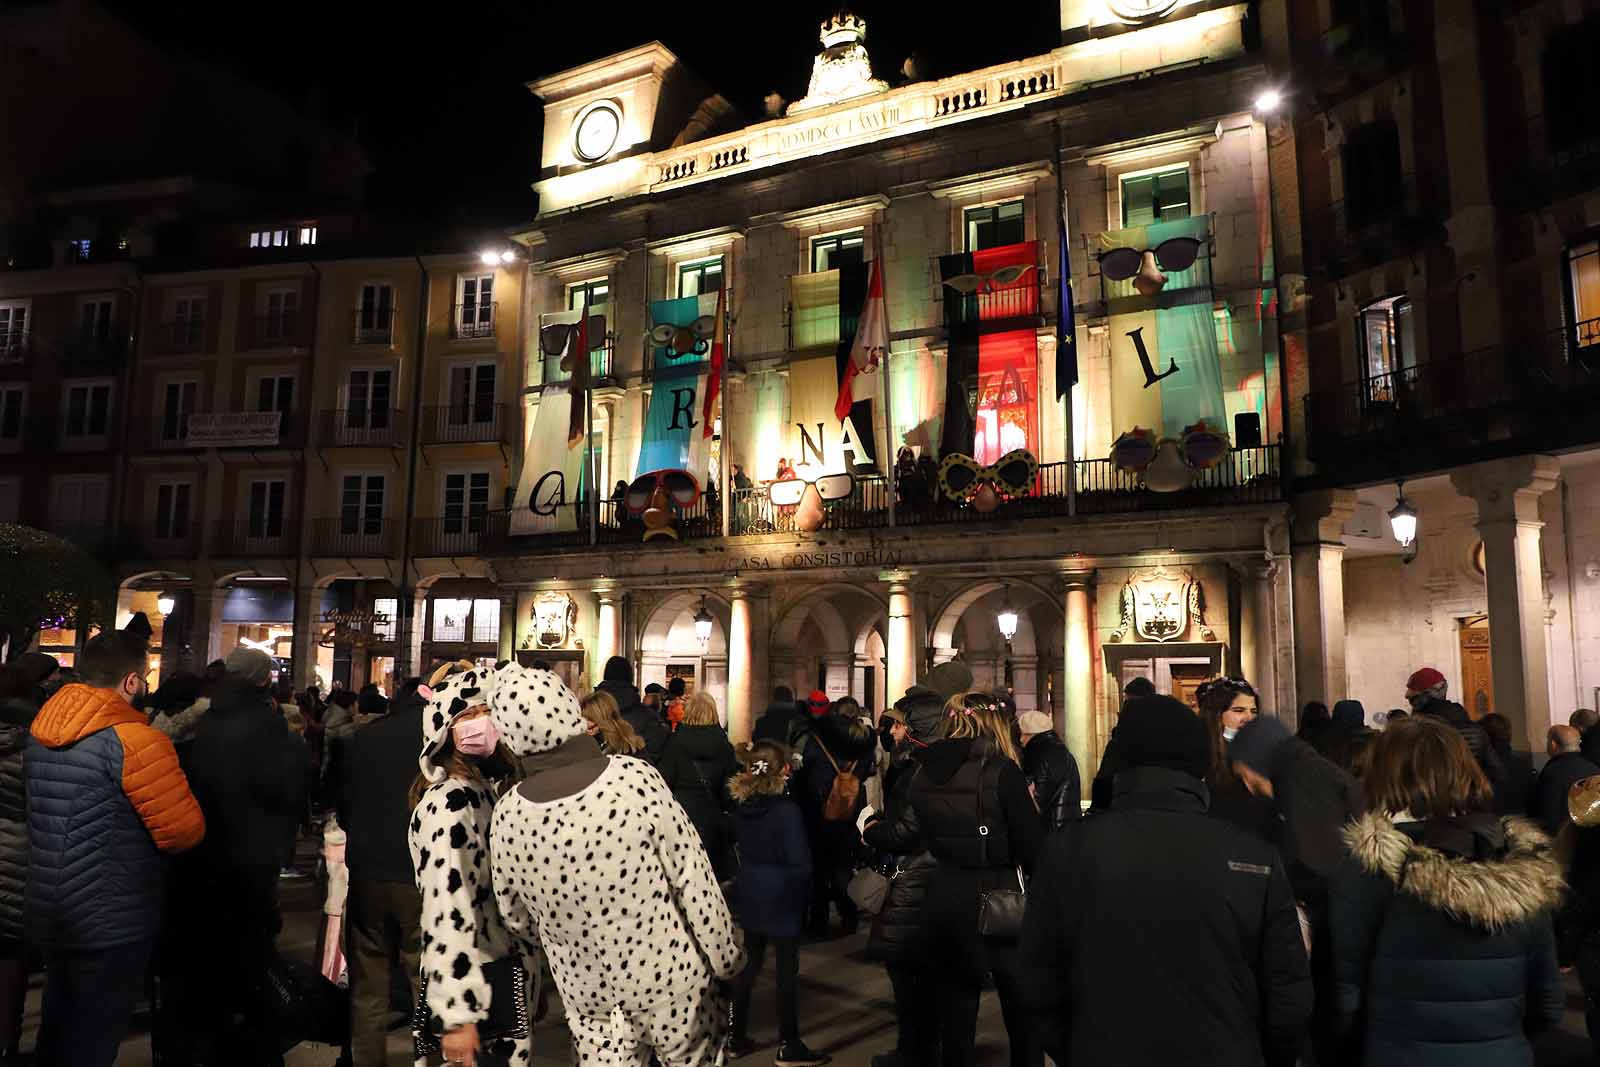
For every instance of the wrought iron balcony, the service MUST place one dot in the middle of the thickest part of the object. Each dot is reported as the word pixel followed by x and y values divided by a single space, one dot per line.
pixel 161 540
pixel 455 535
pixel 88 349
pixel 361 428
pixel 374 326
pixel 258 537
pixel 352 536
pixel 470 423
pixel 181 335
pixel 1347 236
pixel 473 321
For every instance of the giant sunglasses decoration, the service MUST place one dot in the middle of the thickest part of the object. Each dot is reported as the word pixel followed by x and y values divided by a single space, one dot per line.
pixel 962 478
pixel 1145 266
pixel 555 337
pixel 808 497
pixel 1003 278
pixel 657 496
pixel 1168 464
pixel 692 339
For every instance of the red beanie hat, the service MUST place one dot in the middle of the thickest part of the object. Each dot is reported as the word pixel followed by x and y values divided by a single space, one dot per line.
pixel 817 701
pixel 1424 679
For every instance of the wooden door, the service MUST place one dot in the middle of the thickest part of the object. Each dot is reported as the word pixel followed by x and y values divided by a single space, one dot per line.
pixel 1477 678
pixel 1186 678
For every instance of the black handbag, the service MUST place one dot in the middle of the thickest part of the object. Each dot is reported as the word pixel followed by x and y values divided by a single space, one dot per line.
pixel 999 910
pixel 508 1008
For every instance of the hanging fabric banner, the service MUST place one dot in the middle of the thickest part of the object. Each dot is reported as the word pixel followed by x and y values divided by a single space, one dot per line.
pixel 1159 294
pixel 1008 394
pixel 862 425
pixel 549 487
pixel 813 440
pixel 673 439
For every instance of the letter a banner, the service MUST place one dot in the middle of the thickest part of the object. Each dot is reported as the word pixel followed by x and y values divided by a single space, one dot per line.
pixel 548 488
pixel 673 436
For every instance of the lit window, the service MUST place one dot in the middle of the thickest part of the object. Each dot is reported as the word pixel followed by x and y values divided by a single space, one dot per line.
pixel 1387 347
pixel 81 249
pixel 597 292
pixel 995 226
pixel 384 610
pixel 837 250
pixel 308 235
pixel 1583 268
pixel 255 239
pixel 702 276
pixel 1158 197
pixel 486 622
pixel 450 619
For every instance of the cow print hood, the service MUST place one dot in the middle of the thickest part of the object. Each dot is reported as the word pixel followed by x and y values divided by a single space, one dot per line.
pixel 457 693
pixel 534 710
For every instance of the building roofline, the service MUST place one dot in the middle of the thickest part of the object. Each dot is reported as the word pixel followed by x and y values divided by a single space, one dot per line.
pixel 651 58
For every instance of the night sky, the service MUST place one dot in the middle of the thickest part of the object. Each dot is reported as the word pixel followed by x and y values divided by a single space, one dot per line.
pixel 440 102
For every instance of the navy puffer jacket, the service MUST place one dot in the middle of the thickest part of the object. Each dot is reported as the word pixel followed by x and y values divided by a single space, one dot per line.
pixel 14 718
pixel 1442 946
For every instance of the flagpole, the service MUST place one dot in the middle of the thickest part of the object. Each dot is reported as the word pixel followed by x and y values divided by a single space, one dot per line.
pixel 1066 326
pixel 724 465
pixel 889 462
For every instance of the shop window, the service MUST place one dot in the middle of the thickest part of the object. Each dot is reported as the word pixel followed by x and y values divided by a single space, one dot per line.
pixel 384 617
pixel 1374 187
pixel 994 226
pixel 1388 347
pixel 1571 85
pixel 450 619
pixel 701 276
pixel 838 250
pixel 1160 196
pixel 486 622
pixel 1583 275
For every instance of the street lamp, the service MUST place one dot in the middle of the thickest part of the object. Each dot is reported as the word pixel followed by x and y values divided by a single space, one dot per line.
pixel 1268 101
pixel 1007 618
pixel 702 624
pixel 165 603
pixel 491 257
pixel 1403 518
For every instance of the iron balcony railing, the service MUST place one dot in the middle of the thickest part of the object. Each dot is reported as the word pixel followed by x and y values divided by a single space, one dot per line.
pixel 867 507
pixel 469 423
pixel 175 432
pixel 454 535
pixel 352 535
pixel 14 346
pixel 361 428
pixel 268 536
pixel 94 348
pixel 470 321
pixel 277 331
pixel 1348 233
pixel 568 526
pixel 181 335
pixel 374 326
pixel 162 540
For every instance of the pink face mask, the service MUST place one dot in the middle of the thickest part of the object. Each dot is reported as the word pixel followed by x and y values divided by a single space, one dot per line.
pixel 475 737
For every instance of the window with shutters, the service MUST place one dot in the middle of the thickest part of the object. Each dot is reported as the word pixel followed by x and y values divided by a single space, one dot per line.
pixel 173 514
pixel 466 502
pixel 475 305
pixel 266 507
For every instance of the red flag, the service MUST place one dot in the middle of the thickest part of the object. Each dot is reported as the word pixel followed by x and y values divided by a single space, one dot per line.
pixel 578 358
pixel 714 377
pixel 871 342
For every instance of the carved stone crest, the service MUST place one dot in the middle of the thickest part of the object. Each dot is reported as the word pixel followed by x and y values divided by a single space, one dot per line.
pixel 1161 605
pixel 554 615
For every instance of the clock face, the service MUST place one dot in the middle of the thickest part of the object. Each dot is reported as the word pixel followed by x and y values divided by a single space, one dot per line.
pixel 1140 10
pixel 596 132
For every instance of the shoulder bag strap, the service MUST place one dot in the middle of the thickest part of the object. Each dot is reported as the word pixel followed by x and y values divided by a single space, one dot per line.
pixel 983 825
pixel 825 752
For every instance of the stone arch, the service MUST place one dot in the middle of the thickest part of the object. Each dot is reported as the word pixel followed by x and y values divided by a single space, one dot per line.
pixel 814 638
pixel 666 636
pixel 1030 663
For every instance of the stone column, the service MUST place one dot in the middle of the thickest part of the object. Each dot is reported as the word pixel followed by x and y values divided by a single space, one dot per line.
pixel 1076 716
pixel 1025 682
pixel 413 608
pixel 508 625
pixel 836 671
pixel 1507 493
pixel 1318 565
pixel 205 633
pixel 1260 639
pixel 900 663
pixel 608 618
pixel 747 659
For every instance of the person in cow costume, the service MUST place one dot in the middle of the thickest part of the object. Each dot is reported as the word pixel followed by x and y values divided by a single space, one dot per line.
pixel 596 861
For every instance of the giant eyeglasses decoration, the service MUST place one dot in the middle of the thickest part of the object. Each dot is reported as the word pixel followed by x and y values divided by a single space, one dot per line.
pixel 657 497
pixel 809 496
pixel 1168 464
pixel 1002 278
pixel 962 478
pixel 1144 266
pixel 555 337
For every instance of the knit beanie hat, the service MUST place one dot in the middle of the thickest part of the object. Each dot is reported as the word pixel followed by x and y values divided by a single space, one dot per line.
pixel 1158 731
pixel 817 702
pixel 1423 680
pixel 251 664
pixel 1035 722
pixel 950 678
pixel 1260 745
pixel 533 710
pixel 458 692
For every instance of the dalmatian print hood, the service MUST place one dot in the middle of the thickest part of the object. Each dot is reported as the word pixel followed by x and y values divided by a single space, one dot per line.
pixel 533 710
pixel 451 696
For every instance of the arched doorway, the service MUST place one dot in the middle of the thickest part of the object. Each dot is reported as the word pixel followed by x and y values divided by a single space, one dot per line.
pixel 669 646
pixel 832 639
pixel 1029 665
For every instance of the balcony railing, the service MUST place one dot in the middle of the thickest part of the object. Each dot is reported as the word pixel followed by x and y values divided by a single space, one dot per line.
pixel 256 537
pixel 14 346
pixel 600 366
pixel 161 541
pixel 361 428
pixel 459 424
pixel 352 536
pixel 1540 387
pixel 569 526
pixel 867 507
pixel 469 321
pixel 277 331
pixel 1347 235
pixel 181 335
pixel 454 535
pixel 162 432
pixel 374 326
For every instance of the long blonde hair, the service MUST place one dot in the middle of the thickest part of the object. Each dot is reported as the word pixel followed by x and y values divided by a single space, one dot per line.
pixel 601 709
pixel 977 714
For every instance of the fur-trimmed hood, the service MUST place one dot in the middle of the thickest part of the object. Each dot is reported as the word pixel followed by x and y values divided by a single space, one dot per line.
pixel 1512 886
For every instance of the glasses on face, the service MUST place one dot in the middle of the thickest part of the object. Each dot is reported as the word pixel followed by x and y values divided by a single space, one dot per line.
pixel 681 487
pixel 788 493
pixel 1174 254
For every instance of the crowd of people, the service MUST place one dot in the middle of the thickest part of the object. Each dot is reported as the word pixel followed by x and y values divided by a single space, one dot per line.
pixel 1225 891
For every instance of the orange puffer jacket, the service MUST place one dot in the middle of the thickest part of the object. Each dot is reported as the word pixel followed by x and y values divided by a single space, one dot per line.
pixel 106 799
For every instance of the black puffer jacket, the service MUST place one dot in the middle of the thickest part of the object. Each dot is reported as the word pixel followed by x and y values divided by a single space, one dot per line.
pixel 697 764
pixel 645 722
pixel 1442 946
pixel 1052 774
pixel 897 930
pixel 374 769
pixel 15 715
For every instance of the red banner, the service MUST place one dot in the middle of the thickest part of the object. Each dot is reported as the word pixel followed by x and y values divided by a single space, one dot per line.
pixel 1008 394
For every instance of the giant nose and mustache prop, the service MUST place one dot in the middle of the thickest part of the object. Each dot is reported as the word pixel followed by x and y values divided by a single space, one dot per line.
pixel 1149 280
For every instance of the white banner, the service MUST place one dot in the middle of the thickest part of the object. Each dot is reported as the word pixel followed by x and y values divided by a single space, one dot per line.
pixel 234 428
pixel 547 490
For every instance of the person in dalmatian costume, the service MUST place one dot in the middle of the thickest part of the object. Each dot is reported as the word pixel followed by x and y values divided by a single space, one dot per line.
pixel 462 930
pixel 594 860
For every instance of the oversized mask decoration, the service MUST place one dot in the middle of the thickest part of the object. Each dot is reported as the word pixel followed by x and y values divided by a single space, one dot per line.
pixel 962 478
pixel 994 281
pixel 688 339
pixel 810 497
pixel 556 339
pixel 1169 464
pixel 658 497
pixel 1145 266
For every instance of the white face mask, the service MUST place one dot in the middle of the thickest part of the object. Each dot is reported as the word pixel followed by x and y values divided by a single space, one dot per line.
pixel 1229 733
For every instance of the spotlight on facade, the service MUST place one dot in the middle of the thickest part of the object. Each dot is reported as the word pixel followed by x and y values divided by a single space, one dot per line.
pixel 507 256
pixel 702 624
pixel 1268 101
pixel 1007 618
pixel 488 257
pixel 1403 519
pixel 165 603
